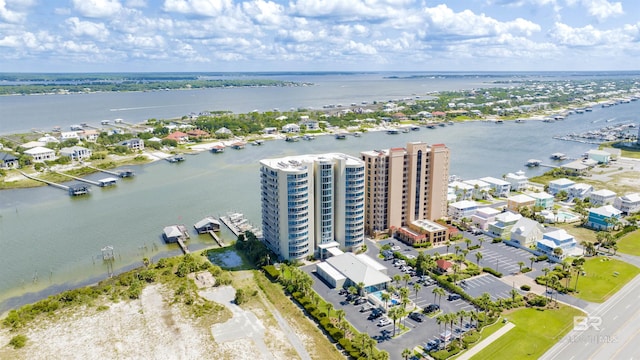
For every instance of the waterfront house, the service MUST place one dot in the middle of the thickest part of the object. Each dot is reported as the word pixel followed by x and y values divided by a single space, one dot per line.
pixel 542 200
pixel 89 135
pixel 32 144
pixel 197 134
pixel 603 217
pixel 291 128
pixel 223 132
pixel 462 190
pixel 133 144
pixel 462 209
pixel 555 186
pixel 602 157
pixel 40 154
pixel 269 130
pixel 483 216
pixel 500 187
pixel 480 188
pixel 628 204
pixel 526 233
pixel 76 153
pixel 517 202
pixel 178 136
pixel 47 139
pixel 577 168
pixel 557 239
pixel 67 135
pixel 308 123
pixel 518 180
pixel 580 191
pixel 602 197
pixel 8 161
pixel 504 222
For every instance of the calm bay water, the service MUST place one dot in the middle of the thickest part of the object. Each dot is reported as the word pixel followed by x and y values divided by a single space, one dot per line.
pixel 50 241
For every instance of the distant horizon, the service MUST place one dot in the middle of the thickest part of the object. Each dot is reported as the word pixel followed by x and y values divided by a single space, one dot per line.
pixel 98 36
pixel 321 72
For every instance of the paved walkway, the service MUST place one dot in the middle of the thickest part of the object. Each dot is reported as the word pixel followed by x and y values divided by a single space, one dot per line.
pixel 484 343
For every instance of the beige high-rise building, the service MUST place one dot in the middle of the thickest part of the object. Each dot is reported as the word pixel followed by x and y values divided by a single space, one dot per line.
pixel 404 185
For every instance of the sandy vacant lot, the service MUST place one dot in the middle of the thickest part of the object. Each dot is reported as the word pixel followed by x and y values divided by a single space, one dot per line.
pixel 150 328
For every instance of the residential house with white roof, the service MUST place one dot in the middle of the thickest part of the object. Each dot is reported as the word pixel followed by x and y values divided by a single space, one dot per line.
pixel 462 190
pixel 48 139
pixel 483 216
pixel 41 154
pixel 480 190
pixel 503 224
pixel 602 197
pixel 517 202
pixel 462 209
pixel 310 124
pixel 557 239
pixel 602 157
pixel 628 204
pixel 291 128
pixel 223 131
pixel 518 180
pixel 90 135
pixel 603 217
pixel 526 233
pixel 580 191
pixel 500 187
pixel 558 185
pixel 76 152
pixel 542 200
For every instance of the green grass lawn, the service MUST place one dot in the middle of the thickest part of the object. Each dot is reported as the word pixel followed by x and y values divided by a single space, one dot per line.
pixel 630 243
pixel 535 332
pixel 600 282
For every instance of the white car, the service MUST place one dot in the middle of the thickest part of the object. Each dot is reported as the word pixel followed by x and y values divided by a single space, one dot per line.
pixel 384 322
pixel 395 248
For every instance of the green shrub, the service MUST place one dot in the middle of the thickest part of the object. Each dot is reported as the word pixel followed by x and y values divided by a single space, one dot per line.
pixel 525 287
pixel 18 341
pixel 271 272
pixel 240 297
pixel 542 257
pixel 492 272
pixel 525 270
pixel 496 240
pixel 474 247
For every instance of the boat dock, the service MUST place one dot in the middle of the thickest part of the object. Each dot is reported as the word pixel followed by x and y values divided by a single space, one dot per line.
pixel 101 183
pixel 121 173
pixel 183 246
pixel 238 224
pixel 50 183
pixel 216 238
pixel 73 190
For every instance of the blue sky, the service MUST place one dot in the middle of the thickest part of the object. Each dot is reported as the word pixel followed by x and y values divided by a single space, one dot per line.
pixel 318 35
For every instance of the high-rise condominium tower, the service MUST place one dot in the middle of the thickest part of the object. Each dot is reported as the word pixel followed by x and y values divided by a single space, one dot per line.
pixel 312 200
pixel 404 185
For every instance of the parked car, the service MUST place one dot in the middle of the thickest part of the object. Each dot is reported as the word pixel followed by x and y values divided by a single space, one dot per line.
pixel 395 248
pixel 431 308
pixel 360 301
pixel 352 297
pixel 432 345
pixel 416 316
pixel 384 322
pixel 375 313
pixel 366 308
pixel 453 297
pixel 342 292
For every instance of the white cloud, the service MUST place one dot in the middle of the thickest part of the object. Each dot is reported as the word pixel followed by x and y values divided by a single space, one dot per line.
pixel 198 7
pixel 589 36
pixel 97 8
pixel 13 12
pixel 265 12
pixel 88 28
pixel 602 9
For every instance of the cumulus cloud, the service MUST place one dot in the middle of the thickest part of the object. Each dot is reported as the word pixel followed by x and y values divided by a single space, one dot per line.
pixel 265 12
pixel 590 36
pixel 602 9
pixel 97 8
pixel 15 12
pixel 87 28
pixel 198 7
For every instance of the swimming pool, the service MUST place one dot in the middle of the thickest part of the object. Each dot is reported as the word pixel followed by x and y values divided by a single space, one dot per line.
pixel 563 216
pixel 378 295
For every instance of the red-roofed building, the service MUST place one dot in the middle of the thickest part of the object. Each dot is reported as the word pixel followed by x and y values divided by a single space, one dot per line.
pixel 197 133
pixel 178 136
pixel 443 265
pixel 439 113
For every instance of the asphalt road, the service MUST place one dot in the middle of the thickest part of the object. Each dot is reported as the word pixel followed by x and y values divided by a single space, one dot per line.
pixel 611 331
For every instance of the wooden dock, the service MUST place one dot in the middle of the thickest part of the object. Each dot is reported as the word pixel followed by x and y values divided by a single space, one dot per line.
pixel 183 247
pixel 216 238
pixel 122 173
pixel 80 179
pixel 50 183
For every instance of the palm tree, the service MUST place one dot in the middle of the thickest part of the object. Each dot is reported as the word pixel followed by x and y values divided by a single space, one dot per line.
pixel 521 265
pixel 545 270
pixel 404 293
pixel 481 240
pixel 406 278
pixel 579 270
pixel 371 342
pixel 385 297
pixel 329 308
pixel 532 259
pixel 406 353
pixel 448 243
pixel 468 242
pixel 397 278
pixel 395 313
pixel 440 292
pixel 443 319
pixel 558 252
pixel 514 293
pixel 361 288
pixel 461 314
pixel 416 288
pixel 478 258
pixel 340 314
pixel 457 248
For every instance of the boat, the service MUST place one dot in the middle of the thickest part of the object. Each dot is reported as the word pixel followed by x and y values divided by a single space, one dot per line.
pixel 308 137
pixel 449 122
pixel 558 156
pixel 393 132
pixel 257 142
pixel 442 124
pixel 238 145
pixel 341 136
pixel 588 109
pixel 520 121
pixel 291 139
pixel 431 126
pixel 405 130
pixel 357 134
pixel 499 121
pixel 415 128
pixel 175 158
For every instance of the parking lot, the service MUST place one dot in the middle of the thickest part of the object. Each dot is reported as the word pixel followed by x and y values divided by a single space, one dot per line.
pixel 489 284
